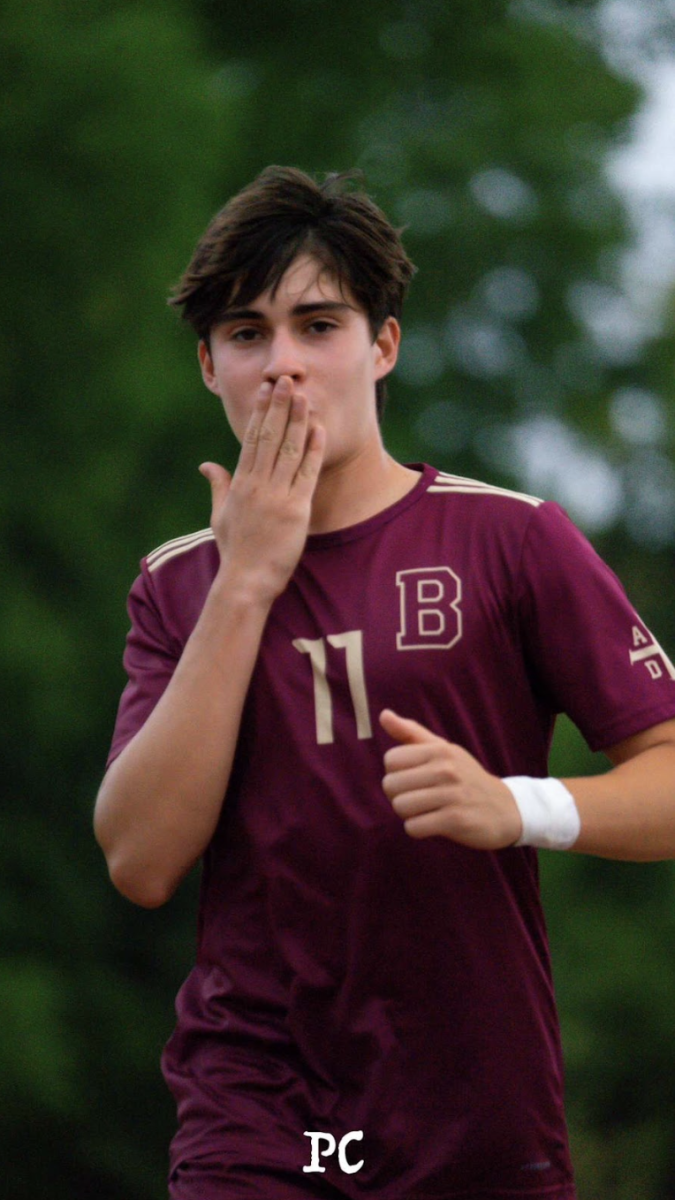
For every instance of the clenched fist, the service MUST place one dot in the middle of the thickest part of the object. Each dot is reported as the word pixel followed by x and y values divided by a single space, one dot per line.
pixel 439 789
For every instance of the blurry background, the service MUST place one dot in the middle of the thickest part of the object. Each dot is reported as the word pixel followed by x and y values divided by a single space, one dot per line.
pixel 529 149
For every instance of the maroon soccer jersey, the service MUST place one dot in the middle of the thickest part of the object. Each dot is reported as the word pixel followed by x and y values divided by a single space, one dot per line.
pixel 348 977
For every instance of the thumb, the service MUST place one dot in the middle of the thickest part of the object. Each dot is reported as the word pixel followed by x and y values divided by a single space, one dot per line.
pixel 402 729
pixel 220 481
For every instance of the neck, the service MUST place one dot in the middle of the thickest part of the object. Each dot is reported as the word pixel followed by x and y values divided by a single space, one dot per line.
pixel 358 488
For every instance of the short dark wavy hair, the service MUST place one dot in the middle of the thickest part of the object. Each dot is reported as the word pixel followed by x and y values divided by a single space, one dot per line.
pixel 252 241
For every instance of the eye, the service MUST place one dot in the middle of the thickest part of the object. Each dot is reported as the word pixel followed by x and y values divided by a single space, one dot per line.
pixel 321 326
pixel 247 333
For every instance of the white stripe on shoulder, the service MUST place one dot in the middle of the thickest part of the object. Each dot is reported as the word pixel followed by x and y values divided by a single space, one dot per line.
pixel 179 541
pixel 445 484
pixel 177 546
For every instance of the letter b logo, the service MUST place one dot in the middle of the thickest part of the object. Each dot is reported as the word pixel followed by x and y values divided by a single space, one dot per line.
pixel 430 614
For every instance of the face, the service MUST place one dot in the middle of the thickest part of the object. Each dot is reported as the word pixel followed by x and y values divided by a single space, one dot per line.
pixel 313 332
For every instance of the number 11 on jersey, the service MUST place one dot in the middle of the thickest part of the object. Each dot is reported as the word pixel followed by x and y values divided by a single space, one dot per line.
pixel 352 643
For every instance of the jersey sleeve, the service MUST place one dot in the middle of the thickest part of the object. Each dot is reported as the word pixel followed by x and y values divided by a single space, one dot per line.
pixel 150 658
pixel 586 646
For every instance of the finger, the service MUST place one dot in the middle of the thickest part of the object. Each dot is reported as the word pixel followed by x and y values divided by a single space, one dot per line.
pixel 415 803
pixel 220 481
pixel 428 824
pixel 273 428
pixel 428 775
pixel 292 448
pixel 402 729
pixel 408 755
pixel 249 443
pixel 310 465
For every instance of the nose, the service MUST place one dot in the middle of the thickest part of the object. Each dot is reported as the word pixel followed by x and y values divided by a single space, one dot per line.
pixel 284 358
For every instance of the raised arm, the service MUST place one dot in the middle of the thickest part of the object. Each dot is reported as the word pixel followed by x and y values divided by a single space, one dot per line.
pixel 159 802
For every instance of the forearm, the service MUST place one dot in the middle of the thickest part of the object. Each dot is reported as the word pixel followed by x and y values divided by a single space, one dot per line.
pixel 629 812
pixel 160 801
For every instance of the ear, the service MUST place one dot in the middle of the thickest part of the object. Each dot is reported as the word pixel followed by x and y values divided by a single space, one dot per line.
pixel 386 347
pixel 206 364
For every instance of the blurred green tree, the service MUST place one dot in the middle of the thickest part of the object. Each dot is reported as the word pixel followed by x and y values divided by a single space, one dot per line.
pixel 110 129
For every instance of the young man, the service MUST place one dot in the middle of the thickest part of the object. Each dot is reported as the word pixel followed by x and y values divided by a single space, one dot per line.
pixel 327 692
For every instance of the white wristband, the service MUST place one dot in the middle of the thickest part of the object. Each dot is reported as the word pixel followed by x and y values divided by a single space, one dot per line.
pixel 548 812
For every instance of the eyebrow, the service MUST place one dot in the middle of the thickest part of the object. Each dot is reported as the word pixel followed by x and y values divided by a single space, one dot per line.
pixel 299 310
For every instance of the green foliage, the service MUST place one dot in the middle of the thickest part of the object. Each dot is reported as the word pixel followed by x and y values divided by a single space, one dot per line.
pixel 479 125
pixel 611 928
pixel 108 129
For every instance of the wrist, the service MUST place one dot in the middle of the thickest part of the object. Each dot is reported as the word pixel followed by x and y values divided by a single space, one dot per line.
pixel 548 812
pixel 245 590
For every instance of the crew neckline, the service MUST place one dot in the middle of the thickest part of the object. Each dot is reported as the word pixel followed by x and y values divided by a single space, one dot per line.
pixel 335 537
